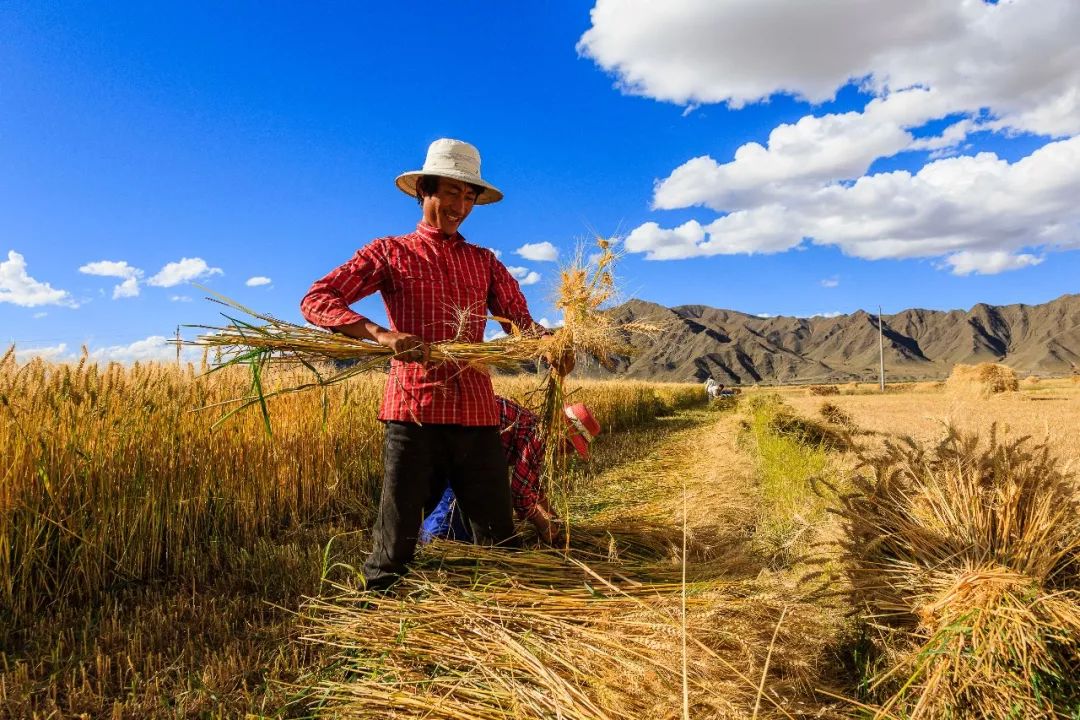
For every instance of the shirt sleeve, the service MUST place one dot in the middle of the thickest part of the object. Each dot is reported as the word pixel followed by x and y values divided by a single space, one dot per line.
pixel 525 453
pixel 505 300
pixel 326 303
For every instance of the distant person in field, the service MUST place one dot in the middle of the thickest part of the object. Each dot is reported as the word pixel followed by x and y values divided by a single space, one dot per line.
pixel 713 388
pixel 441 418
pixel 519 430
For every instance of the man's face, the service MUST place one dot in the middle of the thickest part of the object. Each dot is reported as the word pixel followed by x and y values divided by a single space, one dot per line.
pixel 449 206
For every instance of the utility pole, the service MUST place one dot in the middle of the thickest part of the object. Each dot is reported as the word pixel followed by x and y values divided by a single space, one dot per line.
pixel 178 345
pixel 881 348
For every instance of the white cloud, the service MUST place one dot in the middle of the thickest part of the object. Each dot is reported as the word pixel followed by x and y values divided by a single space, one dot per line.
pixel 494 334
pixel 18 288
pixel 183 271
pixel 179 298
pixel 833 314
pixel 525 276
pixel 110 268
pixel 545 322
pixel 155 348
pixel 760 230
pixel 830 282
pixel 257 281
pixel 118 269
pixel 39 315
pixel 804 155
pixel 498 253
pixel 1019 59
pixel 538 252
pixel 54 353
pixel 989 262
pixel 981 205
pixel 1006 67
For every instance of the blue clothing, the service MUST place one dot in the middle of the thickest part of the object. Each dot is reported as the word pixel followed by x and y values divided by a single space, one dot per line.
pixel 445 521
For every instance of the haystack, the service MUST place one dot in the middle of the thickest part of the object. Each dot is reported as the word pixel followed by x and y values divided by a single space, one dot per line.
pixel 962 559
pixel 984 379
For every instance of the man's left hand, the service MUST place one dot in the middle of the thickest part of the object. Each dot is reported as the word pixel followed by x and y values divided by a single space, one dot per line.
pixel 563 365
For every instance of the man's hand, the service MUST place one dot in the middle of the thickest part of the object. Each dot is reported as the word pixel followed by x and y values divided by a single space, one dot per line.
pixel 563 365
pixel 405 346
pixel 548 527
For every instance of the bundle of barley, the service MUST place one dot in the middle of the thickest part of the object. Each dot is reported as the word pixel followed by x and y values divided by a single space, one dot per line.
pixel 587 329
pixel 984 379
pixel 836 415
pixel 964 557
pixel 823 390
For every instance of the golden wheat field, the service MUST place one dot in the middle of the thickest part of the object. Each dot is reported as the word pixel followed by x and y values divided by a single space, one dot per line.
pixel 781 554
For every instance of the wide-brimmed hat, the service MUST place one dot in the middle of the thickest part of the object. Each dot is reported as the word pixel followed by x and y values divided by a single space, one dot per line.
pixel 451 159
pixel 583 428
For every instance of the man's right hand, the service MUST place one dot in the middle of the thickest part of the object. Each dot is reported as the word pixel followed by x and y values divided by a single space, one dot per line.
pixel 405 346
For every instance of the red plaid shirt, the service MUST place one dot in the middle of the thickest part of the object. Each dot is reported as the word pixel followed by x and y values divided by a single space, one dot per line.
pixel 427 281
pixel 520 434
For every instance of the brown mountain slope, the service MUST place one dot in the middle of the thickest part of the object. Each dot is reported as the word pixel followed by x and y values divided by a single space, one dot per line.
pixel 698 341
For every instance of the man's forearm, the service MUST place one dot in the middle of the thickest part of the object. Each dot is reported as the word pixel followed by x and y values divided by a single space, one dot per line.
pixel 362 330
pixel 405 345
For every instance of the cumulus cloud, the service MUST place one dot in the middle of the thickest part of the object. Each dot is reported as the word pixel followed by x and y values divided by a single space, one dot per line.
pixel 524 275
pixel 52 353
pixel 183 271
pixel 970 66
pixel 978 212
pixel 118 269
pixel 18 288
pixel 1019 59
pixel 538 252
pixel 990 262
pixel 257 281
pixel 804 155
pixel 155 348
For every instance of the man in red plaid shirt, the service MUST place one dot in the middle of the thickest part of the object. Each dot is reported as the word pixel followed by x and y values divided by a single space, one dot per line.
pixel 441 419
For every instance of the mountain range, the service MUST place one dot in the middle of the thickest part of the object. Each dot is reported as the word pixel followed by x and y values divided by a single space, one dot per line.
pixel 696 341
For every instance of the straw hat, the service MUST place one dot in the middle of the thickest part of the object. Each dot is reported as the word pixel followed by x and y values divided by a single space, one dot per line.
pixel 451 159
pixel 583 428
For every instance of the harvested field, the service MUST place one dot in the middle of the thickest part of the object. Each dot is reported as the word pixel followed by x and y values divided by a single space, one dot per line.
pixel 702 578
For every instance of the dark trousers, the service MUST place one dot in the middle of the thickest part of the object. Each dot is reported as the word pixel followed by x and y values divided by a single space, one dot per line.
pixel 418 462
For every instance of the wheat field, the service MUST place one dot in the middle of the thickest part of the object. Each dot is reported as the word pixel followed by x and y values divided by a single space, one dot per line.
pixel 154 565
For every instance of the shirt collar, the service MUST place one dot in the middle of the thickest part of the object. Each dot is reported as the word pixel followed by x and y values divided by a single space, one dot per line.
pixel 433 233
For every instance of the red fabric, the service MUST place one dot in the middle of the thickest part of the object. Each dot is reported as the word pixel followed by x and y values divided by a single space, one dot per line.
pixel 520 434
pixel 426 279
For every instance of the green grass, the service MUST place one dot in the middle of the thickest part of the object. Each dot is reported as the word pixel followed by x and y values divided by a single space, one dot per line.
pixel 788 463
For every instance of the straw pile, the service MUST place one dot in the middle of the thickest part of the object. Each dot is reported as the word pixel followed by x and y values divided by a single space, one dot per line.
pixel 984 379
pixel 496 634
pixel 964 557
pixel 836 415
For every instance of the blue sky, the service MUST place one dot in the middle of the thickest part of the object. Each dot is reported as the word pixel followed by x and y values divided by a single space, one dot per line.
pixel 152 143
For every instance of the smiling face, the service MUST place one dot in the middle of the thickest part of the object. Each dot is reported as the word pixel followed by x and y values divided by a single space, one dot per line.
pixel 449 205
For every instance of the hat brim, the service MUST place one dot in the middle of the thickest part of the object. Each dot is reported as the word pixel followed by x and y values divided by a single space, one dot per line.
pixel 580 445
pixel 406 183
